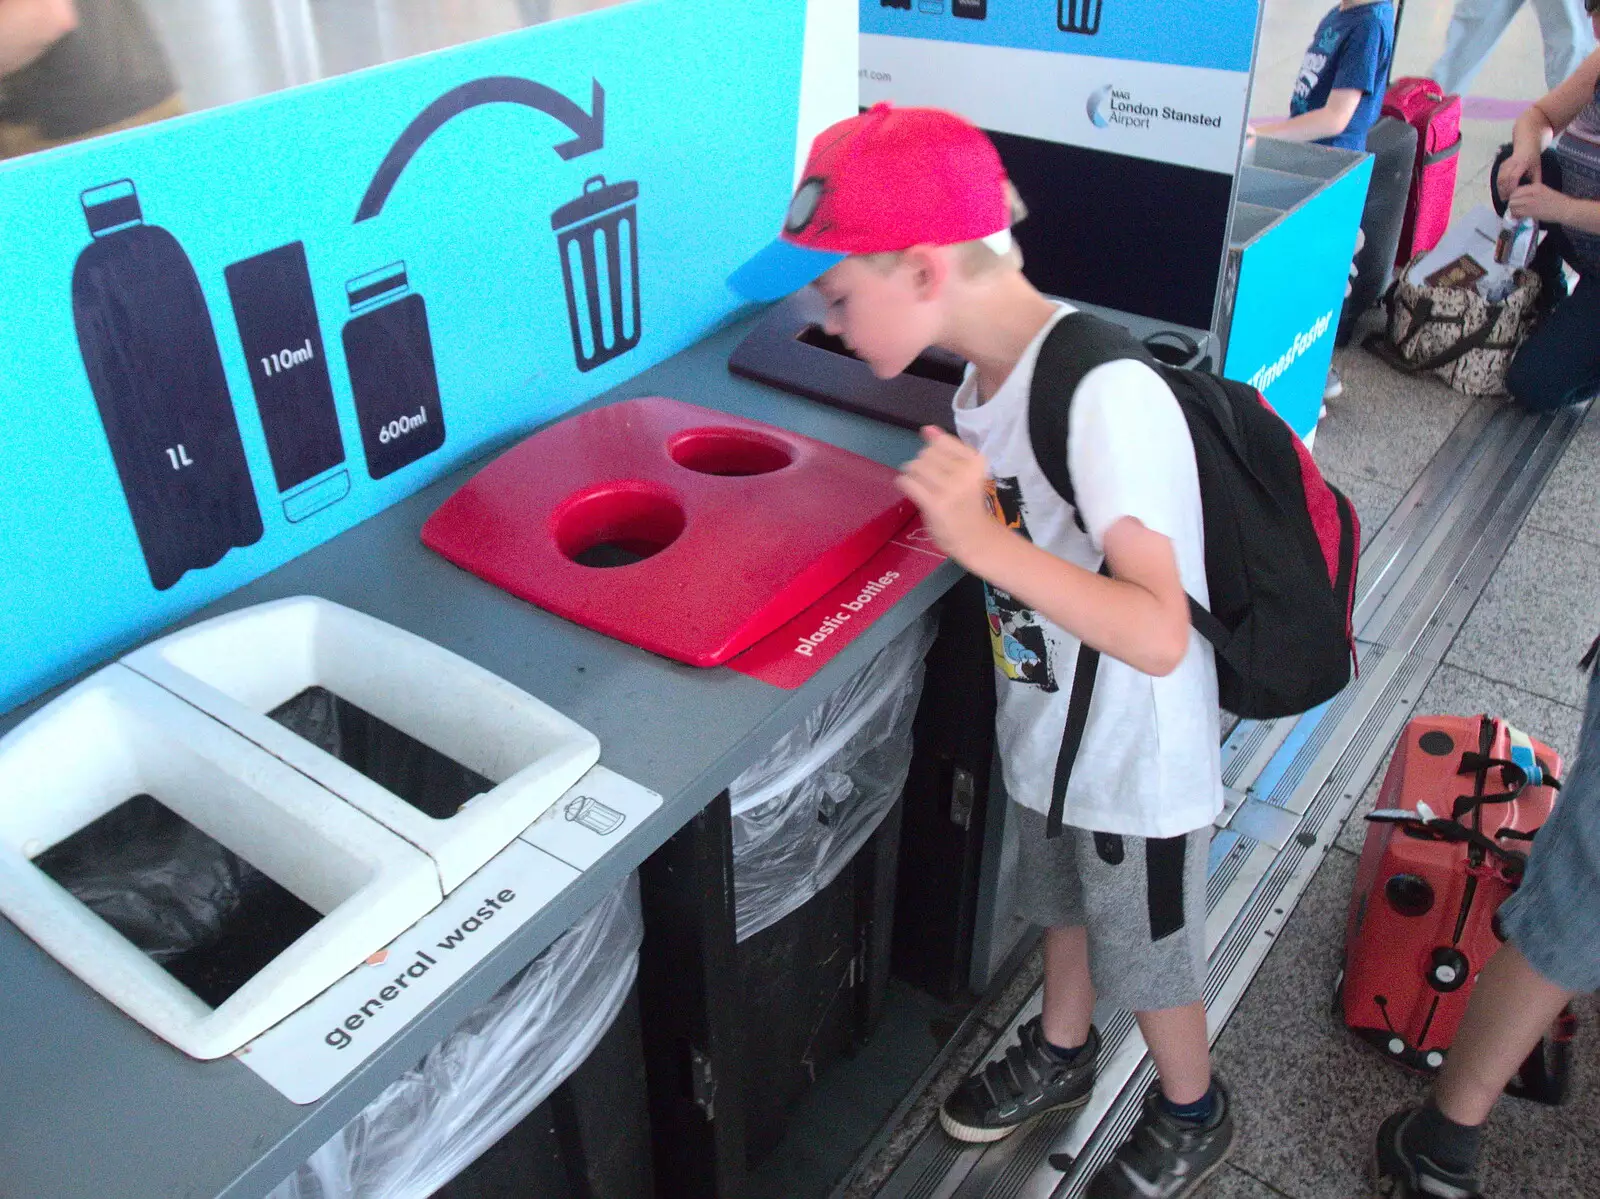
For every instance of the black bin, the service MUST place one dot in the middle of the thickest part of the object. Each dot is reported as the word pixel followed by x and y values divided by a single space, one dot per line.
pixel 539 1093
pixel 816 845
pixel 589 1140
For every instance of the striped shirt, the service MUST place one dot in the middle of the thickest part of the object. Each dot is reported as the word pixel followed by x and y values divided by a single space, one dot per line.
pixel 1578 149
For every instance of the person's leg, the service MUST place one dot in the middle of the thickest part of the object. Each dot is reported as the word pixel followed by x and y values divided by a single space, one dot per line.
pixel 1181 1050
pixel 1068 989
pixel 1051 1067
pixel 1512 1008
pixel 1147 947
pixel 1567 35
pixel 1475 27
pixel 1560 363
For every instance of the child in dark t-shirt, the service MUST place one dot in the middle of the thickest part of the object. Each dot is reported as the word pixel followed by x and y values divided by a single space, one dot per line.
pixel 1338 94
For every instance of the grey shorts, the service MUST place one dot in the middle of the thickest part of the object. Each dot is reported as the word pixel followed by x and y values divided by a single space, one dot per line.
pixel 1554 917
pixel 1142 901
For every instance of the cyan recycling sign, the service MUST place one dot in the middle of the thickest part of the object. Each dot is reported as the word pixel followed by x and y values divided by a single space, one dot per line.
pixel 238 333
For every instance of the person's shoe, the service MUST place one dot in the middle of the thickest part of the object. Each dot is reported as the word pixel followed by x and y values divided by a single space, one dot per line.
pixel 1334 387
pixel 1398 1173
pixel 1027 1082
pixel 1167 1158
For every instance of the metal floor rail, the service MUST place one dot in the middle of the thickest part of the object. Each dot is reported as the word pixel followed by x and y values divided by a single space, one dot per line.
pixel 1291 783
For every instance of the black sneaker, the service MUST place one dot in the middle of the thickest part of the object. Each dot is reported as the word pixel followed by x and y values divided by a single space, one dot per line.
pixel 1399 1173
pixel 1167 1158
pixel 1027 1082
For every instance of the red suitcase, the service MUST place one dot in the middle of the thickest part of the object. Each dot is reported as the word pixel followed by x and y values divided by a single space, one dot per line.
pixel 1436 117
pixel 1447 844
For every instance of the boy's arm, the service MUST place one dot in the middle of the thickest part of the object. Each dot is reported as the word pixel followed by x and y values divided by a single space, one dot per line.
pixel 1328 121
pixel 1140 615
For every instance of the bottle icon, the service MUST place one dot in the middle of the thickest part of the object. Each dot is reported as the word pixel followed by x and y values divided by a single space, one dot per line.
pixel 598 238
pixel 278 328
pixel 1078 16
pixel 150 352
pixel 390 356
pixel 594 815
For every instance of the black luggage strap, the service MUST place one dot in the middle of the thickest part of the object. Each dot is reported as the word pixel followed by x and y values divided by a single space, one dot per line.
pixel 1515 777
pixel 1439 829
pixel 1588 660
pixel 1083 678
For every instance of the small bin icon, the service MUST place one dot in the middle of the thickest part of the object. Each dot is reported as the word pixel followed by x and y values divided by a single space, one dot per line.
pixel 1078 16
pixel 598 238
pixel 594 815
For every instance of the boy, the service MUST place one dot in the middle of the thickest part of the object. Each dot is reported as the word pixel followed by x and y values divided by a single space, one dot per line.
pixel 1551 956
pixel 1338 96
pixel 902 222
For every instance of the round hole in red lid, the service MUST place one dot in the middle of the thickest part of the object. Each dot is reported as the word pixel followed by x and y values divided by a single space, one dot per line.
pixel 617 524
pixel 729 452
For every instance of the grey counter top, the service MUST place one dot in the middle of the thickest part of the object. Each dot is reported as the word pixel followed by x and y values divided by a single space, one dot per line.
pixel 94 1107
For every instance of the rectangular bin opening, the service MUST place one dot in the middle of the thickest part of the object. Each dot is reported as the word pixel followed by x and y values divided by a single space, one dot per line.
pixel 946 369
pixel 194 907
pixel 428 780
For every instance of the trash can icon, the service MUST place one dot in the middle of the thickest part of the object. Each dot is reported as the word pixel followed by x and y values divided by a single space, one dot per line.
pixel 1078 16
pixel 598 238
pixel 594 815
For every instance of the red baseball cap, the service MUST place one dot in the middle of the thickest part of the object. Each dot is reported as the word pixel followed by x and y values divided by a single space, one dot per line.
pixel 885 180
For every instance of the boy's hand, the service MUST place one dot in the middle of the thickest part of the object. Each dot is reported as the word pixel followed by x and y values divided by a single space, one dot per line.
pixel 948 482
pixel 1537 202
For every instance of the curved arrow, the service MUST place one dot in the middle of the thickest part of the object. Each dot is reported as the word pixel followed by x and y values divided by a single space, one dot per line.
pixel 494 89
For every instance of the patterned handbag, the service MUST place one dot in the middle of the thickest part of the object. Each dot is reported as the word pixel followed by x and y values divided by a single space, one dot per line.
pixel 1455 332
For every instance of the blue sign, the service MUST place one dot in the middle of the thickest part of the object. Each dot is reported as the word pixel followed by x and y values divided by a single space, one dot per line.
pixel 233 335
pixel 1220 34
pixel 1290 292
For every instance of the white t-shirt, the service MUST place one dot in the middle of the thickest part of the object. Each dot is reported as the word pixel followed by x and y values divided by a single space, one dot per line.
pixel 1149 763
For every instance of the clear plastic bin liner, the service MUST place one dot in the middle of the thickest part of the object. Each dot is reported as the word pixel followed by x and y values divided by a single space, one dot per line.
pixel 503 1061
pixel 803 812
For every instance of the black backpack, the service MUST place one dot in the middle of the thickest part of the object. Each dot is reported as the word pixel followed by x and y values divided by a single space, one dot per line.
pixel 1281 543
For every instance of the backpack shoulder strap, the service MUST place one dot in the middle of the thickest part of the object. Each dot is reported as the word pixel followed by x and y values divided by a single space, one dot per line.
pixel 1076 345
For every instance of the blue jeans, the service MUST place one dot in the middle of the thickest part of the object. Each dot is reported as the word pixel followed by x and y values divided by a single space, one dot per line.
pixel 1476 25
pixel 1552 916
pixel 1560 363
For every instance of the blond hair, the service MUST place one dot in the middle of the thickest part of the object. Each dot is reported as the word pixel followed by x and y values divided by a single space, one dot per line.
pixel 973 258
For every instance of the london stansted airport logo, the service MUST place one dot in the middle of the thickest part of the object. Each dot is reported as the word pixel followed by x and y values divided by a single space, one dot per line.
pixel 1099 106
pixel 1113 105
pixel 1078 16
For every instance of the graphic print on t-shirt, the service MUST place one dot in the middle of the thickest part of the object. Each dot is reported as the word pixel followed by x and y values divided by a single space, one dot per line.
pixel 1020 649
pixel 1311 68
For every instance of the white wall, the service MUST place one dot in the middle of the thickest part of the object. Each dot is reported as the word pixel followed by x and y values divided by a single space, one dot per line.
pixel 829 81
